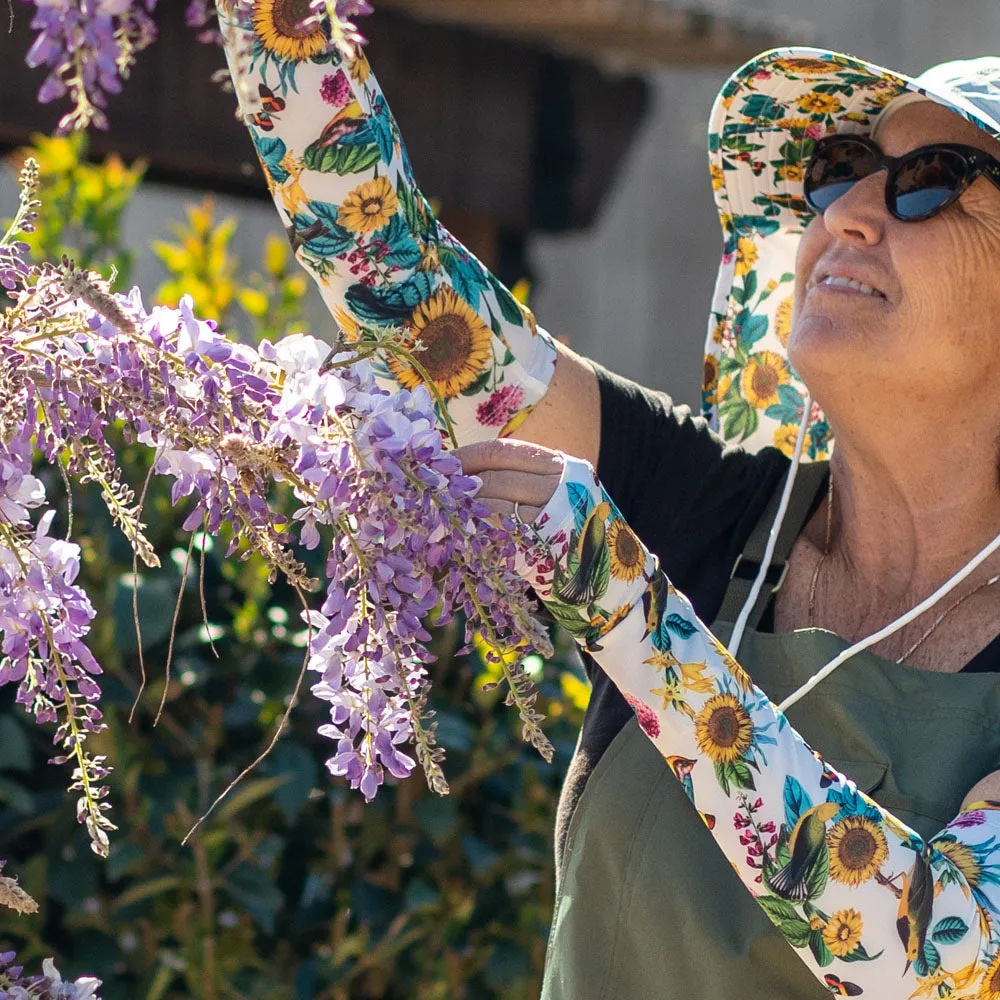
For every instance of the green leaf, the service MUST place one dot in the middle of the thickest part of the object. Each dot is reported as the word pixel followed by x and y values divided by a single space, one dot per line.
pixel 15 750
pixel 438 817
pixel 146 890
pixel 818 947
pixel 818 874
pixel 342 160
pixel 778 910
pixel 722 777
pixel 508 304
pixel 797 932
pixel 247 794
pixel 740 774
pixel 157 597
pixel 16 796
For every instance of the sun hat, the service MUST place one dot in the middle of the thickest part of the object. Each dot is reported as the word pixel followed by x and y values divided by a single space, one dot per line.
pixel 764 124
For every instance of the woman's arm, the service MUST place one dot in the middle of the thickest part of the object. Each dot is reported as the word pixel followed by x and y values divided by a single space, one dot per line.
pixel 855 891
pixel 339 174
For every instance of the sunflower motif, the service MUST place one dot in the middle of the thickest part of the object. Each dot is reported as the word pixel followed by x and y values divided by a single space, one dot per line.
pixel 842 934
pixel 857 850
pixel 723 729
pixel 746 255
pixel 764 373
pixel 792 172
pixel 820 104
pixel 369 207
pixel 282 29
pixel 359 68
pixel 783 321
pixel 806 67
pixel 785 438
pixel 990 990
pixel 963 858
pixel 794 124
pixel 718 177
pixel 627 559
pixel 458 345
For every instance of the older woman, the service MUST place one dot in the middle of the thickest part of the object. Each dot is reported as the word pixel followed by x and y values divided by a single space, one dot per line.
pixel 871 856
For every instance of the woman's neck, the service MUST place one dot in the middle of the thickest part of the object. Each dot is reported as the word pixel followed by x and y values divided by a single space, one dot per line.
pixel 907 518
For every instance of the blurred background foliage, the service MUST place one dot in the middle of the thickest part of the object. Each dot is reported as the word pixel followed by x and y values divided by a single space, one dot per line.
pixel 293 889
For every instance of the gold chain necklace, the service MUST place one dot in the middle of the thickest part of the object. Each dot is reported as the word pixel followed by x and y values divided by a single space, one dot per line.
pixel 826 551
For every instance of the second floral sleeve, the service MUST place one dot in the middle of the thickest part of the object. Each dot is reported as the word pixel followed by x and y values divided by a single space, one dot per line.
pixel 340 178
pixel 928 929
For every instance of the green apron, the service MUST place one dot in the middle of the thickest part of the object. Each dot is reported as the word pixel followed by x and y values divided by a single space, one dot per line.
pixel 649 908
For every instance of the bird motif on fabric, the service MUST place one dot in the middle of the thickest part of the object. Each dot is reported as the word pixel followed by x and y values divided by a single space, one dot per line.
pixel 915 907
pixel 807 845
pixel 682 768
pixel 582 585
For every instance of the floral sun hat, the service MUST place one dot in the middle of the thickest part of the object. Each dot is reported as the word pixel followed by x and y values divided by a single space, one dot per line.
pixel 764 124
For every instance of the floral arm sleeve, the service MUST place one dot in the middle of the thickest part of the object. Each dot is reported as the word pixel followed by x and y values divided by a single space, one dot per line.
pixel 342 183
pixel 930 930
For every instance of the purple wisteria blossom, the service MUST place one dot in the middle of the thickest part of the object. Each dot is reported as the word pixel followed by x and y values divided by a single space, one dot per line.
pixel 88 47
pixel 370 479
pixel 50 985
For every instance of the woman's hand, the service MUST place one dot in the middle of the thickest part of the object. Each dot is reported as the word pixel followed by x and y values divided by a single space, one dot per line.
pixel 513 471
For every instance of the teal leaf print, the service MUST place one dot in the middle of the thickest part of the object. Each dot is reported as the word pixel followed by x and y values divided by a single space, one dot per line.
pixel 763 106
pixel 752 331
pixel 797 801
pixel 403 250
pixel 318 235
pixel 950 930
pixel 272 151
pixel 579 502
pixel 680 626
pixel 466 275
pixel 381 129
pixel 389 303
pixel 509 307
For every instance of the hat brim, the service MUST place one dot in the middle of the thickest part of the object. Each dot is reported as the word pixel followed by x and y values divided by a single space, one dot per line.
pixel 764 124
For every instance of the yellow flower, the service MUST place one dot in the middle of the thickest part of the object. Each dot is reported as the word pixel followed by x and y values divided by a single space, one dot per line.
pixel 673 697
pixel 842 934
pixel 816 923
pixel 785 437
pixel 369 207
pixel 820 104
pixel 963 858
pixel 761 378
pixel 279 25
pixel 783 321
pixel 723 729
pixel 348 324
pixel 792 172
pixel 710 377
pixel 458 346
pixel 717 333
pixel 627 559
pixel 806 67
pixel 857 850
pixel 746 255
pixel 795 124
pixel 693 678
pixel 718 177
pixel 360 68
pixel 662 660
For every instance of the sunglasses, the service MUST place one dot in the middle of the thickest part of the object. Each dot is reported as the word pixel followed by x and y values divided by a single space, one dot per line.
pixel 917 186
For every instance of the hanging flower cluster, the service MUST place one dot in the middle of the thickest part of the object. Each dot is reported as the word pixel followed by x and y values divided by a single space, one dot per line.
pixel 89 46
pixel 366 471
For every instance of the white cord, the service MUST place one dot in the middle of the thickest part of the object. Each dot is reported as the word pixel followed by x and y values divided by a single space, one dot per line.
pixel 772 539
pixel 894 626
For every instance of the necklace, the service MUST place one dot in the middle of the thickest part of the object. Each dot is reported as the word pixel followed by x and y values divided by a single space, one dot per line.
pixel 826 551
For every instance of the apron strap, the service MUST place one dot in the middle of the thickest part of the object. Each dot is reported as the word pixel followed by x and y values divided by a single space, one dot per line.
pixel 809 481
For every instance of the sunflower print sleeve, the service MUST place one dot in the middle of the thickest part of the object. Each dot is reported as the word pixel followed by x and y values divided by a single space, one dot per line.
pixel 868 905
pixel 342 183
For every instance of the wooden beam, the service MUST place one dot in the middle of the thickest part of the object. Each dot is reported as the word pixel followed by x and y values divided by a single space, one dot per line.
pixel 636 33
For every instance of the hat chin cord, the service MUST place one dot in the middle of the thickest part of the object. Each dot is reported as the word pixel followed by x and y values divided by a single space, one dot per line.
pixel 890 629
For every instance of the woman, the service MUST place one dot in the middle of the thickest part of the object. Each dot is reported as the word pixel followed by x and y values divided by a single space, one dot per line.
pixel 889 895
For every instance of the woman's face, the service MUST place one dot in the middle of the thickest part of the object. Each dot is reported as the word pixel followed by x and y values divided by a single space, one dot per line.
pixel 931 333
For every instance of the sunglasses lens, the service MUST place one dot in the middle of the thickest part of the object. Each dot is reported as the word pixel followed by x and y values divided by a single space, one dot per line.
pixel 836 166
pixel 926 183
